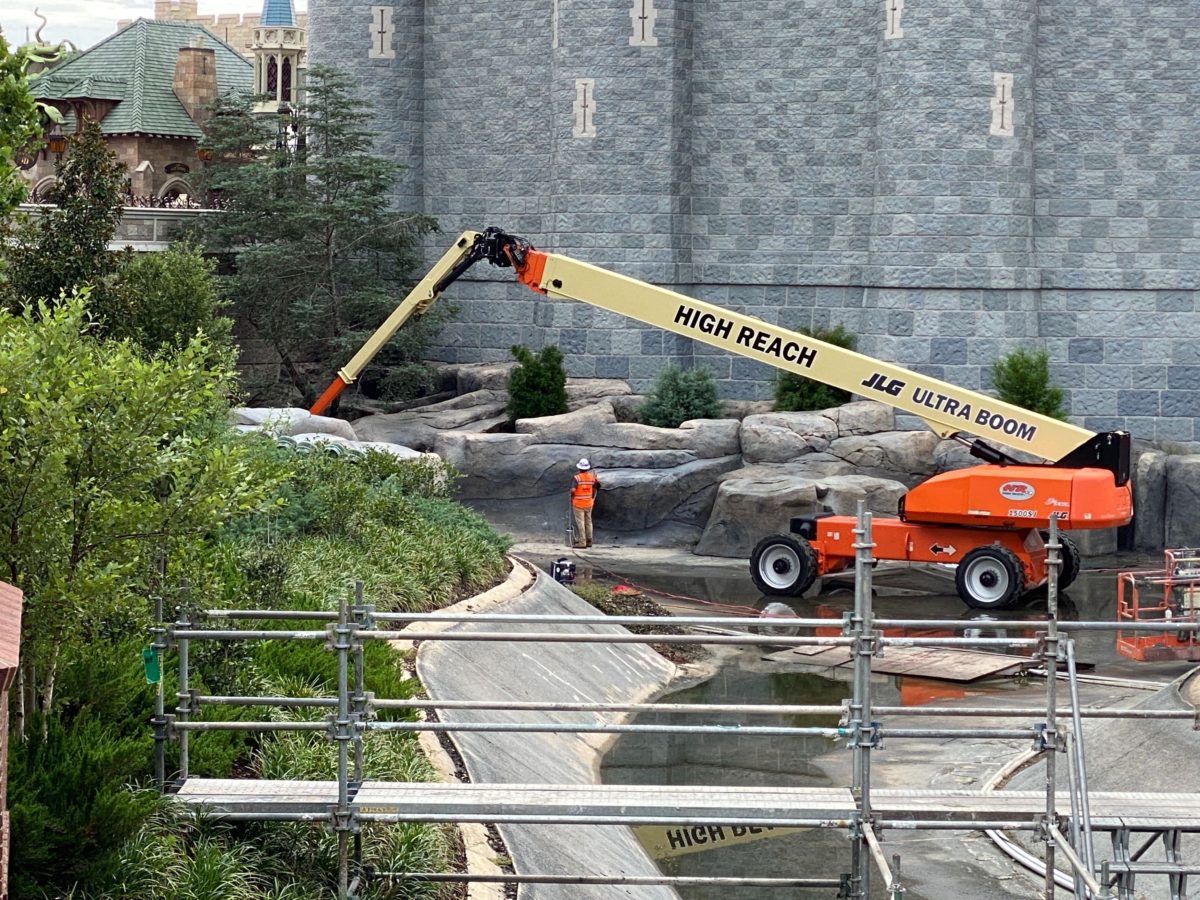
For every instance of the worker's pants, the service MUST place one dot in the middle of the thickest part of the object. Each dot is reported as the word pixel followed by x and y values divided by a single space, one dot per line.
pixel 583 526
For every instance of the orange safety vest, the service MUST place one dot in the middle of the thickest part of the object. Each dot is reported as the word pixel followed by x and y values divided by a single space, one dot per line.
pixel 583 493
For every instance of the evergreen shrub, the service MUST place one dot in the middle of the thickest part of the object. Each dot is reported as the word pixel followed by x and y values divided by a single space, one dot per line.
pixel 538 385
pixel 795 393
pixel 679 395
pixel 1022 378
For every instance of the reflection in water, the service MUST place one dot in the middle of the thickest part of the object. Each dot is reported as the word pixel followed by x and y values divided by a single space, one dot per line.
pixel 811 761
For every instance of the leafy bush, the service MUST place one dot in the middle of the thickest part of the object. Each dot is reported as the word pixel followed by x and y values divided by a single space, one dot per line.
pixel 1022 378
pixel 538 385
pixel 173 297
pixel 679 395
pixel 795 393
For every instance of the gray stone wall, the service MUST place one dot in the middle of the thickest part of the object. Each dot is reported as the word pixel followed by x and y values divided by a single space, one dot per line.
pixel 797 162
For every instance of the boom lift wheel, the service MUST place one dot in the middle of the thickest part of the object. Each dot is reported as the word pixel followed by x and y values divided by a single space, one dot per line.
pixel 1071 560
pixel 990 578
pixel 783 566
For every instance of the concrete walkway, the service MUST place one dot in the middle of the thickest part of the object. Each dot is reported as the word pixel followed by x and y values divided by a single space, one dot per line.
pixel 605 673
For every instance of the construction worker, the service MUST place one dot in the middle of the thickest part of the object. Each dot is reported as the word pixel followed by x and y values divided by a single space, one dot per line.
pixel 584 488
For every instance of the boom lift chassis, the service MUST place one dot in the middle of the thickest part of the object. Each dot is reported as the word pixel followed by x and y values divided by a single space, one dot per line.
pixel 990 520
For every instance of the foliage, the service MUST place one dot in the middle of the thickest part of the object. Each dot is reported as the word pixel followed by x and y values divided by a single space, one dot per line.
pixel 320 258
pixel 795 393
pixel 67 247
pixel 20 121
pixel 1022 377
pixel 70 805
pixel 108 459
pixel 172 298
pixel 538 385
pixel 679 395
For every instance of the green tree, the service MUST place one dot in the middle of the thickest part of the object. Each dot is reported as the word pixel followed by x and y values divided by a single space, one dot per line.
pixel 1022 378
pixel 538 385
pixel 67 247
pixel 107 458
pixel 795 393
pixel 20 121
pixel 172 296
pixel 320 257
pixel 679 395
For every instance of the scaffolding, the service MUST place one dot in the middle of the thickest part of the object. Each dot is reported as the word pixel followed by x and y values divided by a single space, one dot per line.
pixel 1064 822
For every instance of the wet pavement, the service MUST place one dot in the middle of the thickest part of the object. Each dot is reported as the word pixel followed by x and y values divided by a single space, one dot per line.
pixel 934 864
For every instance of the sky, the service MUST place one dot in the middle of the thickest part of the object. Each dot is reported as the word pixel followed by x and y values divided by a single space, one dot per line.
pixel 87 22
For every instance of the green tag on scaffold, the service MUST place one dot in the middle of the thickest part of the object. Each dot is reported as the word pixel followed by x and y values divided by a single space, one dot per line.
pixel 150 664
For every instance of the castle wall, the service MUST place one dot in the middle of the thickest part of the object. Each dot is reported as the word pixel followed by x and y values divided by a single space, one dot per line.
pixel 946 179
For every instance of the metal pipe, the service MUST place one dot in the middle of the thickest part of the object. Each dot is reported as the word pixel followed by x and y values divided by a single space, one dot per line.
pixel 251 726
pixel 639 880
pixel 295 614
pixel 860 717
pixel 1053 561
pixel 1080 868
pixel 299 702
pixel 199 634
pixel 1078 887
pixel 727 730
pixel 341 820
pixel 880 860
pixel 157 646
pixel 676 638
pixel 1085 806
pixel 183 708
pixel 531 819
pixel 760 709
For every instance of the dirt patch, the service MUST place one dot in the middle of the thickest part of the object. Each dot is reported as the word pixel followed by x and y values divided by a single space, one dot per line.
pixel 613 601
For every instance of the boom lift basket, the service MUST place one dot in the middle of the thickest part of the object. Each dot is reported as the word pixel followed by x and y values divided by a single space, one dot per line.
pixel 1165 595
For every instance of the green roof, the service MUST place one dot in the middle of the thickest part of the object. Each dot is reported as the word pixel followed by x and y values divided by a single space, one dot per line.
pixel 136 67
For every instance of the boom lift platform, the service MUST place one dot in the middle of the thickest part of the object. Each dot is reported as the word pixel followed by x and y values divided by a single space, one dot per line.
pixel 989 520
pixel 1171 593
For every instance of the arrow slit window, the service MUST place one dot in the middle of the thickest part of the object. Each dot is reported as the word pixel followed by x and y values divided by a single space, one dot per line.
pixel 644 15
pixel 894 10
pixel 1003 105
pixel 382 32
pixel 584 108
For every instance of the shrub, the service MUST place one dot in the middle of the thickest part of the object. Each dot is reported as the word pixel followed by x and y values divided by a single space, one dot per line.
pixel 795 393
pixel 679 395
pixel 538 385
pixel 1022 378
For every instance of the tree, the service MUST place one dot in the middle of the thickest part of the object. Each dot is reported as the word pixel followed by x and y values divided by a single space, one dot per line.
pixel 680 395
pixel 538 385
pixel 795 393
pixel 20 122
pixel 67 247
pixel 320 258
pixel 108 457
pixel 1022 378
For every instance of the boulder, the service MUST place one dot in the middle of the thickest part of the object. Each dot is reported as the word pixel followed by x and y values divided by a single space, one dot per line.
pixel 640 499
pixel 758 501
pixel 466 378
pixel 289 421
pixel 1150 500
pixel 739 409
pixel 1182 525
pixel 782 436
pixel 512 466
pixel 905 455
pixel 597 426
pixel 586 391
pixel 316 439
pixel 481 411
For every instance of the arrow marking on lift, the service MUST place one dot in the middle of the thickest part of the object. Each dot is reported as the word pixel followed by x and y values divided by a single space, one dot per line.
pixel 938 550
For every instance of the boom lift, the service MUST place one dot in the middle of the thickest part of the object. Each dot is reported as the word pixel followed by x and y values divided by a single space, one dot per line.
pixel 988 520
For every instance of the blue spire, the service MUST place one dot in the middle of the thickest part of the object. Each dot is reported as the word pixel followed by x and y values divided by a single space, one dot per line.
pixel 278 12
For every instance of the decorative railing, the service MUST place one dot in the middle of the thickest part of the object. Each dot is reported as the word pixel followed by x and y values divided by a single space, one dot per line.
pixel 143 227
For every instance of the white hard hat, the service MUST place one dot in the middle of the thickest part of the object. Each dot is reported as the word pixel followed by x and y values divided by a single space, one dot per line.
pixel 583 464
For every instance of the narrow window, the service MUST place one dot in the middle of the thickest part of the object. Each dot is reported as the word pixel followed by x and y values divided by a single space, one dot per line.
pixel 286 92
pixel 272 77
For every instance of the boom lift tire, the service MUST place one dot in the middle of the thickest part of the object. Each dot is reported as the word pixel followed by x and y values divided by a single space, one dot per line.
pixel 783 565
pixel 1072 560
pixel 990 578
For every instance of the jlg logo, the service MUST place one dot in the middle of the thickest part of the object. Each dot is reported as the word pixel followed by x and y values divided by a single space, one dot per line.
pixel 880 382
pixel 1016 490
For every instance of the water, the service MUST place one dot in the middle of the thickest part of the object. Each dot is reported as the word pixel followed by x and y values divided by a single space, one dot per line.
pixel 805 761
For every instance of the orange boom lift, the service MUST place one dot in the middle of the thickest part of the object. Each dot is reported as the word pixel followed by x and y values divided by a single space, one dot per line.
pixel 989 520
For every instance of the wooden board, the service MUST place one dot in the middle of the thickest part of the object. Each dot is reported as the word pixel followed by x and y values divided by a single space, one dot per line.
pixel 928 662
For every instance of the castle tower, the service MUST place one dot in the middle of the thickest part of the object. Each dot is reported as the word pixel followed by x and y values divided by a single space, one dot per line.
pixel 279 56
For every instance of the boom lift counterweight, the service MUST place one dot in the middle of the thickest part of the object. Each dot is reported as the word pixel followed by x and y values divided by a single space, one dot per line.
pixel 988 519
